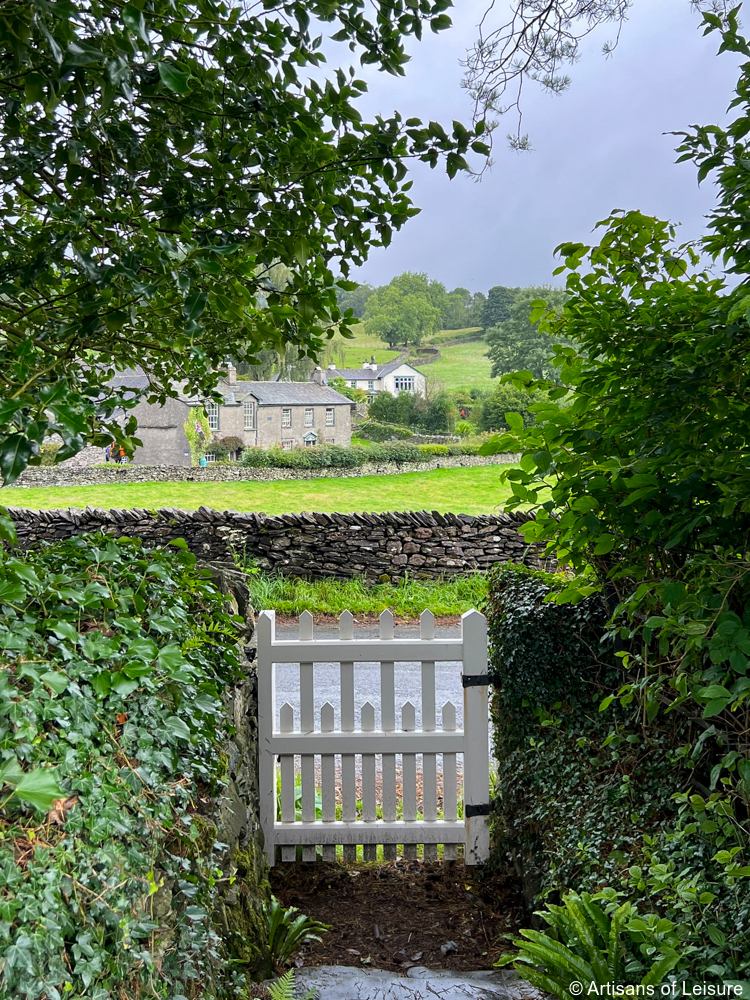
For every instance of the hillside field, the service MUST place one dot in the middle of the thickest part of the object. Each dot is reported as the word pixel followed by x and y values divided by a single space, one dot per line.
pixel 475 490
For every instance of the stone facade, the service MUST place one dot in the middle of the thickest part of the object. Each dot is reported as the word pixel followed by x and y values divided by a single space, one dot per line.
pixel 311 545
pixel 64 475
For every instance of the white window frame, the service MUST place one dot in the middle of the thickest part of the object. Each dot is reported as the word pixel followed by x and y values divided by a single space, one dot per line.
pixel 370 384
pixel 403 383
pixel 248 408
pixel 309 417
pixel 210 456
pixel 287 444
pixel 286 416
pixel 330 416
pixel 212 412
pixel 353 383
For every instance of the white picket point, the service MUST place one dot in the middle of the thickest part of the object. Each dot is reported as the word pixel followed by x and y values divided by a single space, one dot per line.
pixel 286 725
pixel 450 794
pixel 386 625
pixel 476 753
pixel 409 777
pixel 369 804
pixel 286 742
pixel 328 779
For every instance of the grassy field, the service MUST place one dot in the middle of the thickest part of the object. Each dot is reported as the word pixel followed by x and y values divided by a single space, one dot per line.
pixel 464 491
pixel 462 365
pixel 406 600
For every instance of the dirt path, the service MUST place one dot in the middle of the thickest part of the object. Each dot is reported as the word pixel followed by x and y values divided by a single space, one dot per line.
pixel 402 914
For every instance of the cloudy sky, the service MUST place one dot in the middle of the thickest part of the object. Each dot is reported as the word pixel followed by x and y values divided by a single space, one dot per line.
pixel 598 146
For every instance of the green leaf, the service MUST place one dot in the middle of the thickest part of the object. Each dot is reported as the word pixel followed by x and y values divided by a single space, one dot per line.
pixel 175 726
pixel 15 452
pixel 39 788
pixel 133 18
pixel 195 305
pixel 515 422
pixel 175 79
pixel 56 681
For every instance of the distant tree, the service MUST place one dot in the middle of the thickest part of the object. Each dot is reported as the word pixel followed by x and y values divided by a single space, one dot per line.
pixel 489 415
pixel 476 312
pixel 497 307
pixel 405 311
pixel 516 344
pixel 356 299
pixel 440 415
pixel 457 313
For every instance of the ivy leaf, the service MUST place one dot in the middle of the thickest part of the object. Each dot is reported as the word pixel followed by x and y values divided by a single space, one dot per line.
pixel 55 680
pixel 177 727
pixel 175 79
pixel 39 788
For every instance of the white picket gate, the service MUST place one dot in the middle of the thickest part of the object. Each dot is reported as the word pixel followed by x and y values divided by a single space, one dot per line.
pixel 279 741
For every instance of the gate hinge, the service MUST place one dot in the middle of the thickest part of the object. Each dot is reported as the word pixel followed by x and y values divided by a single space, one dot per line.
pixel 477 810
pixel 475 680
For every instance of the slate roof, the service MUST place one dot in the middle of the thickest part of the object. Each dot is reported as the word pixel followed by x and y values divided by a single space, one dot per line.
pixel 293 393
pixel 367 373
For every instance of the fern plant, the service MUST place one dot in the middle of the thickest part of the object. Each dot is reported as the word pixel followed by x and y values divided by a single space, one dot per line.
pixel 285 988
pixel 588 946
pixel 288 930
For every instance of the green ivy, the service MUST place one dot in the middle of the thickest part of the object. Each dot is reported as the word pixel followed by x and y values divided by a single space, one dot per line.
pixel 593 796
pixel 114 661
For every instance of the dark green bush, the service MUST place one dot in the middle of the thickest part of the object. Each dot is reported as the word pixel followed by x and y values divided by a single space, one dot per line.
pixel 114 663
pixel 593 795
pixel 374 431
pixel 337 457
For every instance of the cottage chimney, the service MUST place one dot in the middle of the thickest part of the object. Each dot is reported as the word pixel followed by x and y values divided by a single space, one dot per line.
pixel 372 361
pixel 231 373
pixel 318 377
pixel 365 364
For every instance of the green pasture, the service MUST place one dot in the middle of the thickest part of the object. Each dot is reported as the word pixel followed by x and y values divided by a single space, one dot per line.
pixel 461 366
pixel 475 490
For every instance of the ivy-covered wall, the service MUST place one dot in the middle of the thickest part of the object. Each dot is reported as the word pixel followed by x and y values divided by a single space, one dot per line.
pixel 130 856
pixel 593 795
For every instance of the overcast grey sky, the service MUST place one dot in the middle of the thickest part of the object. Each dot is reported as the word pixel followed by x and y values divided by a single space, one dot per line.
pixel 598 146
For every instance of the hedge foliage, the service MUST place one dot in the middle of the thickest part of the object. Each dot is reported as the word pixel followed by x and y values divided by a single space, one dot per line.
pixel 594 797
pixel 114 660
pixel 373 430
pixel 332 456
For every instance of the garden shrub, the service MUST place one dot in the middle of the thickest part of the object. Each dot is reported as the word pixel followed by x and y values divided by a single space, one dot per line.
pixel 375 431
pixel 337 457
pixel 592 795
pixel 115 659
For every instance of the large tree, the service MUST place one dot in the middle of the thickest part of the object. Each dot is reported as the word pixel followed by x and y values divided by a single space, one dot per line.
pixel 406 310
pixel 160 159
pixel 517 343
pixel 496 307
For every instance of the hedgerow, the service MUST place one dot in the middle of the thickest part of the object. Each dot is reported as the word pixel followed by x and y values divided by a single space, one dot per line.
pixel 337 457
pixel 114 660
pixel 610 801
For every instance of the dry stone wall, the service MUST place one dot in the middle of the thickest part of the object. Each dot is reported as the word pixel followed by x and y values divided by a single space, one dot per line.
pixel 61 475
pixel 311 545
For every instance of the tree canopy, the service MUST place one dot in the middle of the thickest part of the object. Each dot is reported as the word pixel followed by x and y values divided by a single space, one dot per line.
pixel 406 310
pixel 159 160
pixel 517 343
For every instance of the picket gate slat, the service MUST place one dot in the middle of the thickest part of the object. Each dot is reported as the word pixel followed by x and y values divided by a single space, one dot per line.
pixel 281 743
pixel 328 779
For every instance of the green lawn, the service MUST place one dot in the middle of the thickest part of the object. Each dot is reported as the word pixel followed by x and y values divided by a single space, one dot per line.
pixel 462 365
pixel 464 491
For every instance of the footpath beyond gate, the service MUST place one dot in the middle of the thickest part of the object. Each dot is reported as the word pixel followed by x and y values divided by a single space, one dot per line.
pixel 332 818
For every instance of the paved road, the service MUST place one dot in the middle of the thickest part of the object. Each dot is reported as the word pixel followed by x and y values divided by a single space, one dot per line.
pixel 367 677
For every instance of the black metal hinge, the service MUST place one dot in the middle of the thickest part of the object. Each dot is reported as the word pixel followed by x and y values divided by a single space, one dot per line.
pixel 480 810
pixel 475 680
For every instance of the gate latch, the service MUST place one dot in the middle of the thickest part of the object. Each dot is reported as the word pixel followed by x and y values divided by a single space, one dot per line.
pixel 475 680
pixel 483 809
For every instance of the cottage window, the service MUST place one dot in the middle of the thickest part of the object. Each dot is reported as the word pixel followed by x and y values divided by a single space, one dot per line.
pixel 404 383
pixel 286 416
pixel 212 411
pixel 309 417
pixel 330 441
pixel 353 383
pixel 370 384
pixel 249 409
pixel 287 445
pixel 210 456
pixel 330 416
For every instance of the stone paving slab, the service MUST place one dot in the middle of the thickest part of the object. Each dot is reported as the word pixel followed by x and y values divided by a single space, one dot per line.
pixel 343 983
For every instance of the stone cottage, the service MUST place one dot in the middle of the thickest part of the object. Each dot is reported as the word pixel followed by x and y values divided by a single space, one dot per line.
pixel 260 414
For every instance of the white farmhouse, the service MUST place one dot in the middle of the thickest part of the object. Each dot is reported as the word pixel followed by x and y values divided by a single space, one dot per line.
pixel 372 378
